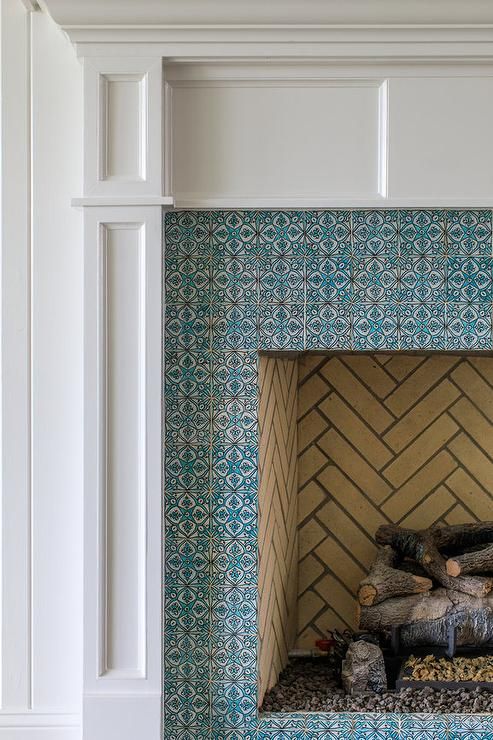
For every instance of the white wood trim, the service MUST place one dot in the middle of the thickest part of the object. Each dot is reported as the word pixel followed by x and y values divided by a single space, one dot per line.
pixel 100 202
pixel 105 682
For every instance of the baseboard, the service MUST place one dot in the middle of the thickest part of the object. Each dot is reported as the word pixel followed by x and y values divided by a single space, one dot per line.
pixel 39 726
pixel 122 717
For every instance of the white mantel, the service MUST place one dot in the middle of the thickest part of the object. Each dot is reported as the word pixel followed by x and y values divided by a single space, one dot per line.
pixel 169 110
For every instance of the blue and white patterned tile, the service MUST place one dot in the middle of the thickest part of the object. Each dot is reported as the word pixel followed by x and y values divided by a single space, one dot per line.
pixel 186 467
pixel 234 704
pixel 234 233
pixel 188 280
pixel 187 233
pixel 283 721
pixel 235 421
pixel 234 562
pixel 376 726
pixel 187 327
pixel 235 280
pixel 187 420
pixel 469 326
pixel 187 514
pixel 281 233
pixel 234 467
pixel 422 232
pixel 235 374
pixel 339 724
pixel 328 232
pixel 469 232
pixel 233 734
pixel 328 279
pixel 187 657
pixel 234 609
pixel 423 726
pixel 470 726
pixel 186 702
pixel 422 326
pixel 234 326
pixel 375 233
pixel 281 326
pixel 187 374
pixel 282 280
pixel 469 279
pixel 375 326
pixel 422 279
pixel 243 648
pixel 186 608
pixel 375 279
pixel 174 731
pixel 234 514
pixel 328 326
pixel 188 561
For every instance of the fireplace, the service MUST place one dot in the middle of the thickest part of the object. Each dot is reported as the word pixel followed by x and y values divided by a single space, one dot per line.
pixel 357 445
pixel 242 284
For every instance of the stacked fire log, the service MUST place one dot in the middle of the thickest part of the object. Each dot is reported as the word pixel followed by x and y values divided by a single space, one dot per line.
pixel 425 581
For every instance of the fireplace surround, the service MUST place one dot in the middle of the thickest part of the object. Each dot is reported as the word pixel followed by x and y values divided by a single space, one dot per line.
pixel 240 283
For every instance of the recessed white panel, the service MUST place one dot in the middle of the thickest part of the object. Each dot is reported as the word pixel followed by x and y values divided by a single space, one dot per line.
pixel 123 127
pixel 124 502
pixel 440 138
pixel 254 140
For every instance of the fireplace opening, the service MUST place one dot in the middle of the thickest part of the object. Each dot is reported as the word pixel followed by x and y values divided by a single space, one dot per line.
pixel 375 539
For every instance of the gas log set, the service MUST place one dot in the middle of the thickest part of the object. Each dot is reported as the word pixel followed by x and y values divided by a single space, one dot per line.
pixel 425 613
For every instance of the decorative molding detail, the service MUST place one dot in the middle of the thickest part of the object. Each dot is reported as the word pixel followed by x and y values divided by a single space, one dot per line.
pixel 122 523
pixel 123 127
pixel 101 202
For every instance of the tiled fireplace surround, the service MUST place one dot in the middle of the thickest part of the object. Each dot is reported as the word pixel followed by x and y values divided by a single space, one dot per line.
pixel 239 283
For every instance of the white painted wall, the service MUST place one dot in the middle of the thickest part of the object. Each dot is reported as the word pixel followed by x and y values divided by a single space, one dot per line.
pixel 41 284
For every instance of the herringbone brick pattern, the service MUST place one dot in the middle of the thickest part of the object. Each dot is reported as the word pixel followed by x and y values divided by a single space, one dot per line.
pixel 278 517
pixel 383 438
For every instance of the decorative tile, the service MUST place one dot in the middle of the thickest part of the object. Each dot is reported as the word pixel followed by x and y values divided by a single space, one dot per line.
pixel 186 467
pixel 378 727
pixel 375 233
pixel 235 374
pixel 423 726
pixel 422 326
pixel 234 609
pixel 186 657
pixel 469 279
pixel 186 608
pixel 328 232
pixel 331 722
pixel 234 467
pixel 281 326
pixel 186 514
pixel 235 280
pixel 328 326
pixel 187 327
pixel 187 233
pixel 422 232
pixel 233 704
pixel 187 420
pixel 234 232
pixel 234 562
pixel 422 279
pixel 187 561
pixel 186 702
pixel 328 279
pixel 188 280
pixel 282 279
pixel 234 326
pixel 187 374
pixel 244 649
pixel 375 326
pixel 234 514
pixel 469 232
pixel 235 421
pixel 375 279
pixel 281 233
pixel 283 720
pixel 468 326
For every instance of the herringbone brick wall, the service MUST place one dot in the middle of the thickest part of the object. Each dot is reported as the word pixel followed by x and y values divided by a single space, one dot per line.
pixel 383 438
pixel 278 516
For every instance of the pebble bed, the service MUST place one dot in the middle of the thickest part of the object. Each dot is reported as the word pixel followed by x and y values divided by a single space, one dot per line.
pixel 310 686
